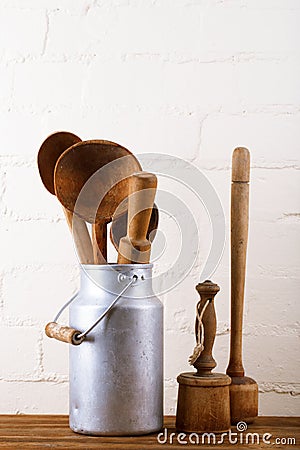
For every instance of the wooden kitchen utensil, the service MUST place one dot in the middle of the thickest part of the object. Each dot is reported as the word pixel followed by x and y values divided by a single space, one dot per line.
pixel 203 403
pixel 50 151
pixel 243 390
pixel 135 247
pixel 91 179
pixel 119 226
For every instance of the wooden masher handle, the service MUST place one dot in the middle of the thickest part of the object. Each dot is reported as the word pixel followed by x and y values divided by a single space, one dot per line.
pixel 135 247
pixel 239 238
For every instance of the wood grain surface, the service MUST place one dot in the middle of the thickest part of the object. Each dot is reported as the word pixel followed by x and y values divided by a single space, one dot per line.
pixel 45 431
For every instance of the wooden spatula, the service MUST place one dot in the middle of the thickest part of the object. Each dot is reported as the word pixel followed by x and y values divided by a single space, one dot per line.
pixel 135 247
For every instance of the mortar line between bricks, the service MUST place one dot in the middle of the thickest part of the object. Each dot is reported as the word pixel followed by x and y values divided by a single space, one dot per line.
pixel 175 59
pixel 45 41
pixel 53 380
pixel 40 349
pixel 31 163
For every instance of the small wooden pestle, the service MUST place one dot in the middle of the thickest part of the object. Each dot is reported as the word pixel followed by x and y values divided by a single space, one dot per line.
pixel 203 398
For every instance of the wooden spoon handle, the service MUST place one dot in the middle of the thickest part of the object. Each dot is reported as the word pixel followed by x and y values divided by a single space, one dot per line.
pixel 99 239
pixel 239 238
pixel 81 237
pixel 135 247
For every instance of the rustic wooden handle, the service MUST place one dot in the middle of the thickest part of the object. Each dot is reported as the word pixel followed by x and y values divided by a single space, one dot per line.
pixel 81 237
pixel 239 238
pixel 135 247
pixel 119 226
pixel 99 239
pixel 63 333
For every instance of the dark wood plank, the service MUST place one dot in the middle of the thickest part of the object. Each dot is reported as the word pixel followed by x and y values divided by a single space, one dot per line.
pixel 44 431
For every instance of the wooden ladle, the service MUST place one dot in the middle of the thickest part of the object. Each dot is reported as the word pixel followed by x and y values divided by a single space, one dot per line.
pixel 91 179
pixel 50 151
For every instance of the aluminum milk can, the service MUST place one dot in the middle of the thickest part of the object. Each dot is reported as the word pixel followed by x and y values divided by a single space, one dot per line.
pixel 116 373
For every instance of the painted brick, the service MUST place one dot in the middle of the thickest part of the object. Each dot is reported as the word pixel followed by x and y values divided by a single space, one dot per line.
pixel 171 393
pixel 55 358
pixel 275 404
pixel 22 133
pixel 20 352
pixel 258 83
pixel 271 302
pixel 37 293
pixel 33 201
pixel 272 4
pixel 133 127
pixel 178 348
pixel 278 141
pixel 142 20
pixel 190 86
pixel 263 207
pixel 36 242
pixel 283 260
pixel 45 85
pixel 174 134
pixel 33 398
pixel 6 80
pixel 275 352
pixel 78 7
pixel 276 35
pixel 77 40
pixel 22 33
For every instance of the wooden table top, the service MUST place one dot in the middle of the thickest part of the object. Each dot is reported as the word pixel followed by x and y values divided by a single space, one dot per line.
pixel 45 431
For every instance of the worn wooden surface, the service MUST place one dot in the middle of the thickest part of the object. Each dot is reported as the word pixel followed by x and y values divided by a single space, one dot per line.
pixel 44 431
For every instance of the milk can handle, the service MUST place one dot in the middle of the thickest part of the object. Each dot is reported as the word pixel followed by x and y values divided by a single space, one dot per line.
pixel 75 337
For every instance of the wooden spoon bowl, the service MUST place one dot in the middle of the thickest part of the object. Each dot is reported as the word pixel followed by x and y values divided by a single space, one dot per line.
pixel 91 178
pixel 50 151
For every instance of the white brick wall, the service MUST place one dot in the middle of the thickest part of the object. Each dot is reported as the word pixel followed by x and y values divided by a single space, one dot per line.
pixel 192 78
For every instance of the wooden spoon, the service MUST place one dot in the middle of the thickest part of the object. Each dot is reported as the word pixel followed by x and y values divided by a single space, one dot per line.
pixel 50 151
pixel 135 247
pixel 91 180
